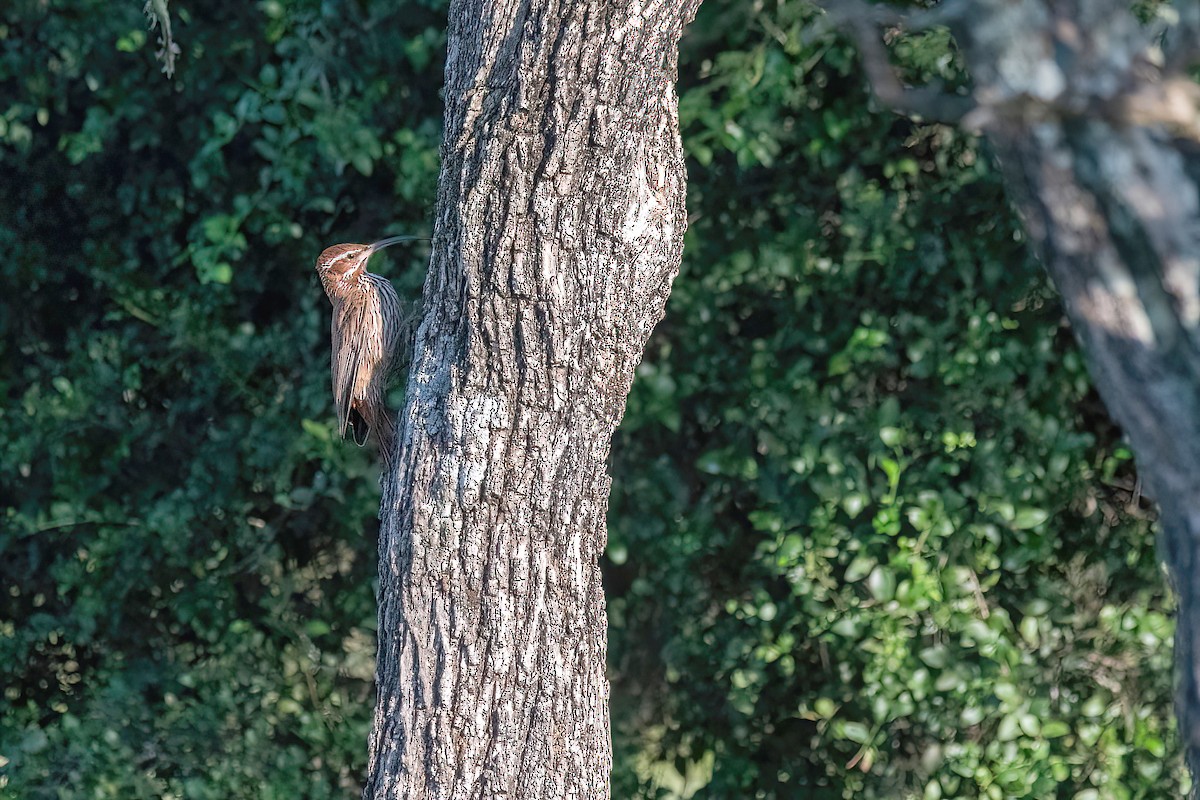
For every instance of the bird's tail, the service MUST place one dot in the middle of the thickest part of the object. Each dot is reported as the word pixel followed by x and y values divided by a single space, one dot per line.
pixel 368 417
pixel 385 431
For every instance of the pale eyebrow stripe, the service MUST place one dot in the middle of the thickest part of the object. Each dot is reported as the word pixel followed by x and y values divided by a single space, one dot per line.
pixel 333 261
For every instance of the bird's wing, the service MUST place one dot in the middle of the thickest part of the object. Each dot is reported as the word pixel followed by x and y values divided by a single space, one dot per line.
pixel 347 341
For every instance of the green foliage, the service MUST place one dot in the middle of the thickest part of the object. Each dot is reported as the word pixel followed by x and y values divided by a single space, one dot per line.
pixel 871 535
pixel 188 607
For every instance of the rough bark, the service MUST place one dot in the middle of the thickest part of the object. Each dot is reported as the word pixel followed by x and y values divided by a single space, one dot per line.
pixel 558 232
pixel 1099 139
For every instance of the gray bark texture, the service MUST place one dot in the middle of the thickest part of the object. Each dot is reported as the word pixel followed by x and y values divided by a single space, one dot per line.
pixel 1097 132
pixel 558 232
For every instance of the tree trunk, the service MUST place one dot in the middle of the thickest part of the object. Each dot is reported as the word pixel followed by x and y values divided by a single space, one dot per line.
pixel 559 230
pixel 1100 142
pixel 1112 210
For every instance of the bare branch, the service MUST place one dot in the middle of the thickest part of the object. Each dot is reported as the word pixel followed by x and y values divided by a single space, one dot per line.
pixel 158 16
pixel 864 22
pixel 1161 96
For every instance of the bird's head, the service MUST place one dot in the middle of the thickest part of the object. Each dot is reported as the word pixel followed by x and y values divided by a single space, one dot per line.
pixel 343 261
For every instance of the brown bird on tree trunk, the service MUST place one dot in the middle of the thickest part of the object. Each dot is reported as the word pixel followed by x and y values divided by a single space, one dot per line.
pixel 368 324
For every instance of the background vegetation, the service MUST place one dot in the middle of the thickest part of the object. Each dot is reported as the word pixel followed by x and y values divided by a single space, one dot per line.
pixel 872 534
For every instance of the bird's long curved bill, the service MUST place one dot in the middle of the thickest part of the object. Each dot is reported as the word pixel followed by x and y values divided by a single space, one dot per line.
pixel 391 240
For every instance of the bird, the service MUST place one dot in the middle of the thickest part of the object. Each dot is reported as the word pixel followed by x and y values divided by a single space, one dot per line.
pixel 368 325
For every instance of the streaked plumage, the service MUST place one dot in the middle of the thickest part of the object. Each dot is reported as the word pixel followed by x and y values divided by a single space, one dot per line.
pixel 368 321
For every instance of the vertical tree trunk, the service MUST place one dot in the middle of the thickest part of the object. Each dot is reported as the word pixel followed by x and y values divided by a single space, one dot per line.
pixel 559 230
pixel 1104 162
pixel 1113 213
pixel 1099 139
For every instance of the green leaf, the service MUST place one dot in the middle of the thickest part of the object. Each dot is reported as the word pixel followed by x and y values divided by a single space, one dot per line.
pixel 1029 518
pixel 1055 729
pixel 882 583
pixel 856 732
pixel 891 436
pixel 859 568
